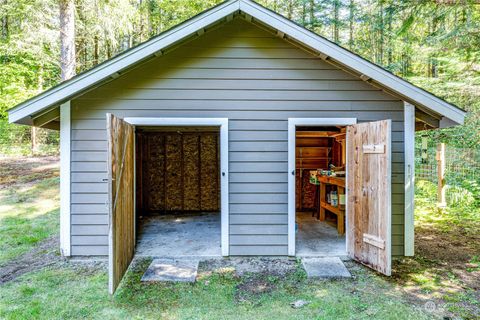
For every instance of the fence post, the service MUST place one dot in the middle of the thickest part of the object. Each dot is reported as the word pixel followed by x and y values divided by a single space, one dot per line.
pixel 441 175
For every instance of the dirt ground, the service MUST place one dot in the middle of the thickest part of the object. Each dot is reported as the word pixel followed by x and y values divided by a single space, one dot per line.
pixel 244 265
pixel 43 255
pixel 21 170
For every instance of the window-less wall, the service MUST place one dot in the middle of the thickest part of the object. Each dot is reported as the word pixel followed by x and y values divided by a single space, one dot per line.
pixel 256 80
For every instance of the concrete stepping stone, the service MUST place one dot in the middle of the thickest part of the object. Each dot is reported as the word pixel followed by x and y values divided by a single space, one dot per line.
pixel 325 267
pixel 172 270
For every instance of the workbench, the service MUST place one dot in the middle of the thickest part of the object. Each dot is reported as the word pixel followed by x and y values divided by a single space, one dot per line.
pixel 339 211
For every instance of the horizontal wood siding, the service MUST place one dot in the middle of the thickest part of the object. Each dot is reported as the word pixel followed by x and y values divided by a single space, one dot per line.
pixel 256 80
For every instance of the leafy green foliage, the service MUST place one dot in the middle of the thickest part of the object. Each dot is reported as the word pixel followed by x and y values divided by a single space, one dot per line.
pixel 433 44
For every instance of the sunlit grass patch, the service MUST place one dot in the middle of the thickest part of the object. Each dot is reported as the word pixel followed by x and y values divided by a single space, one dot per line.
pixel 28 214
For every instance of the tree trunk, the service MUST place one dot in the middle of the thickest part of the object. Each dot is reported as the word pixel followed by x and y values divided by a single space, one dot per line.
pixel 5 22
pixel 389 37
pixel 95 50
pixel 33 136
pixel 67 38
pixel 336 17
pixel 312 14
pixel 433 58
pixel 380 27
pixel 290 9
pixel 304 14
pixel 350 27
pixel 34 131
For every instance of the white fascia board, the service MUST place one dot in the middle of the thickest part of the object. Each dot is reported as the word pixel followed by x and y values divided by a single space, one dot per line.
pixel 352 61
pixel 123 61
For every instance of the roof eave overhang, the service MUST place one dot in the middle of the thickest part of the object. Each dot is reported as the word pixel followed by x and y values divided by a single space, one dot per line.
pixel 328 50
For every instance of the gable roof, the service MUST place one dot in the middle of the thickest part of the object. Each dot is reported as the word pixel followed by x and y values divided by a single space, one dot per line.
pixel 325 49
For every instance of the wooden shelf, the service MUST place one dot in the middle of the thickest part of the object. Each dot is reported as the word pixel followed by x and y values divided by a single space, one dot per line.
pixel 337 210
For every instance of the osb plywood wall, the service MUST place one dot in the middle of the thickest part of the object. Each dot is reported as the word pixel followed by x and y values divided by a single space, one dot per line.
pixel 305 191
pixel 177 171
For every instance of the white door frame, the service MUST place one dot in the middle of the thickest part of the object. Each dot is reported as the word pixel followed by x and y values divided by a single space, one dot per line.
pixel 203 122
pixel 292 125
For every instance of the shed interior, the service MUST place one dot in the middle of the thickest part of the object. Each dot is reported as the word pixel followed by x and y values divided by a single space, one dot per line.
pixel 178 191
pixel 320 190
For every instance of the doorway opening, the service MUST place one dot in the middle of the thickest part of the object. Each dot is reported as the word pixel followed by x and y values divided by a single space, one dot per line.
pixel 178 191
pixel 317 206
pixel 320 168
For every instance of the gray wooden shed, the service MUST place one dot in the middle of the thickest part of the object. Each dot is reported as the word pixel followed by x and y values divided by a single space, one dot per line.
pixel 255 75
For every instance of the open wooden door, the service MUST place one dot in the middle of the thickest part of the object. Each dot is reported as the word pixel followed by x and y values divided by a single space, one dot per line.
pixel 121 152
pixel 369 194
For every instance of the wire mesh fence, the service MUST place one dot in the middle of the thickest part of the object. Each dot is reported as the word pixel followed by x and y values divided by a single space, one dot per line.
pixel 461 179
pixel 460 164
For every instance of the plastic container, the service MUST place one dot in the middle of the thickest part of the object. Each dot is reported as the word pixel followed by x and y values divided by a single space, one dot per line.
pixel 334 198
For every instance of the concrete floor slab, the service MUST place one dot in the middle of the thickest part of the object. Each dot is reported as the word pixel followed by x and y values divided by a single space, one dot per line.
pixel 317 238
pixel 176 236
pixel 326 268
pixel 171 270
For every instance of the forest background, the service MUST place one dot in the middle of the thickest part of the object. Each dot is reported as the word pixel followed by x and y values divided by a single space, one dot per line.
pixel 433 44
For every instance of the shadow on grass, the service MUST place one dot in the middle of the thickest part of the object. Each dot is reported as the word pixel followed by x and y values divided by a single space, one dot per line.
pixel 443 271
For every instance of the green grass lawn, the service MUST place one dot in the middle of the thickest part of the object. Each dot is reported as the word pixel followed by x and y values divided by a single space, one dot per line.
pixel 68 290
pixel 73 291
pixel 29 204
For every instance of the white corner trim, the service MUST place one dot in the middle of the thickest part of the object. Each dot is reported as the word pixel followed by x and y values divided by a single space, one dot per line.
pixel 409 120
pixel 292 125
pixel 224 188
pixel 65 140
pixel 224 174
